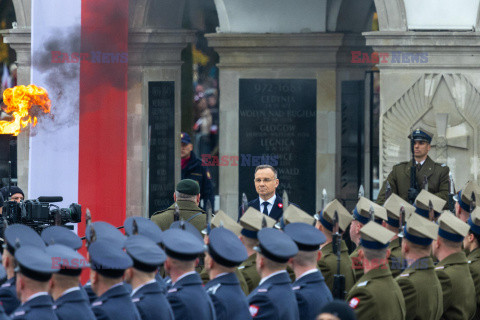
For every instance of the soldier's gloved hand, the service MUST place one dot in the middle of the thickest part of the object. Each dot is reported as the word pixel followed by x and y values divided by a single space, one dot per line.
pixel 412 194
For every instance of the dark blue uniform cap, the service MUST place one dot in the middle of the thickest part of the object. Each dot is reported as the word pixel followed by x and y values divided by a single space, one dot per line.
pixel 146 254
pixel 188 227
pixel 225 248
pixel 307 237
pixel 68 261
pixel 146 227
pixel 61 235
pixel 104 230
pixel 182 245
pixel 276 245
pixel 34 263
pixel 107 259
pixel 22 234
pixel 185 138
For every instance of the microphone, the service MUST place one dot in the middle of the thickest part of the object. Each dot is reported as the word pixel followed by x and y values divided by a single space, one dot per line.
pixel 50 199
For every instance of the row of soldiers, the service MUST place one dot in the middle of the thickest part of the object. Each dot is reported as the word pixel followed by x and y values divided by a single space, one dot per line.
pixel 410 261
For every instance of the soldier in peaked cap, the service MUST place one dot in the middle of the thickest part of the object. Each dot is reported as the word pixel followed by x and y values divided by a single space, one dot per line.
pixel 105 231
pixel 274 297
pixel 452 269
pixel 464 200
pixel 221 219
pixel 328 261
pixel 361 216
pixel 294 214
pixel 225 253
pixel 34 270
pixel 422 204
pixel 147 295
pixel 187 297
pixel 61 235
pixel 187 197
pixel 471 243
pixel 436 173
pixel 15 234
pixel 70 301
pixel 310 289
pixel 394 205
pixel 251 223
pixel 108 264
pixel 376 295
pixel 145 227
pixel 420 286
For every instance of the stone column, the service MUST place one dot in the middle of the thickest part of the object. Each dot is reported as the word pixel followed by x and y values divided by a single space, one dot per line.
pixel 153 55
pixel 276 56
pixel 19 39
pixel 430 79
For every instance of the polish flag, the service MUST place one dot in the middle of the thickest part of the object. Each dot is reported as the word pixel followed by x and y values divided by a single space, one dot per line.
pixel 79 55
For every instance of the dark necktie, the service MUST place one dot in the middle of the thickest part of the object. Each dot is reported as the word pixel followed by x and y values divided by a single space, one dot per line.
pixel 265 207
pixel 419 166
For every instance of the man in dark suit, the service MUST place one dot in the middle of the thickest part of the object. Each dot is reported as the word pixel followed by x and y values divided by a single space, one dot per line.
pixel 268 202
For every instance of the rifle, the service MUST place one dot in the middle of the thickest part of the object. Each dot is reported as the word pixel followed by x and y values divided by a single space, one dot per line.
pixel 338 278
pixel 324 203
pixel 372 213
pixel 473 203
pixel 388 190
pixel 176 214
pixel 402 222
pixel 208 206
pixel 413 173
pixel 244 204
pixel 431 212
pixel 361 192
pixel 451 193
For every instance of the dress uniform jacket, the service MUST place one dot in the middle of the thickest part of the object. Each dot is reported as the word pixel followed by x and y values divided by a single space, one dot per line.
pixel 151 302
pixel 187 211
pixel 395 260
pixel 196 171
pixel 312 294
pixel 357 264
pixel 87 289
pixel 249 272
pixel 238 273
pixel 399 179
pixel 328 265
pixel 39 308
pixel 474 265
pixel 275 213
pixel 189 300
pixel 274 299
pixel 8 296
pixel 114 304
pixel 377 296
pixel 457 286
pixel 73 305
pixel 228 299
pixel 421 290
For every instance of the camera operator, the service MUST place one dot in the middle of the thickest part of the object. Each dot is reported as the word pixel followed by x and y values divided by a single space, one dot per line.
pixel 12 193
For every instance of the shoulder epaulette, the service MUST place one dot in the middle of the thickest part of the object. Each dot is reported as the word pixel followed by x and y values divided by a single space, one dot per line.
pixel 440 268
pixel 213 289
pixel 97 303
pixel 362 284
pixel 404 275
pixel 297 287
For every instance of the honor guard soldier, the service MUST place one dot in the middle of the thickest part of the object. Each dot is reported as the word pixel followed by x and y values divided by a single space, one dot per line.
pixel 108 263
pixel 396 207
pixel 464 200
pixel 422 205
pixel 274 297
pixel 61 235
pixel 471 243
pixel 361 216
pixel 419 283
pixel 376 295
pixel 70 301
pixel 34 270
pixel 251 223
pixel 436 174
pixel 187 198
pixel 221 219
pixel 328 261
pixel 147 295
pixel 193 168
pixel 225 253
pixel 310 289
pixel 15 234
pixel 294 214
pixel 268 202
pixel 452 269
pixel 187 297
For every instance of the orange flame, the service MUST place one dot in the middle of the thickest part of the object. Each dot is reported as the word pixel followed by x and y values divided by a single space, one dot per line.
pixel 20 102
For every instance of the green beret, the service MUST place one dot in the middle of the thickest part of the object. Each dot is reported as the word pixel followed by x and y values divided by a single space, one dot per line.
pixel 188 186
